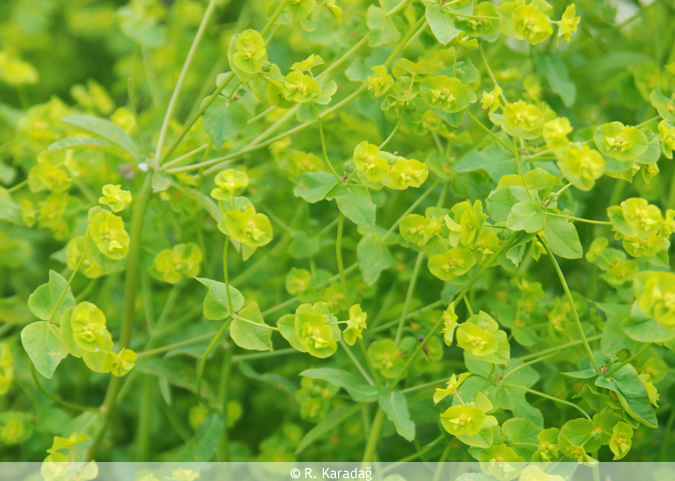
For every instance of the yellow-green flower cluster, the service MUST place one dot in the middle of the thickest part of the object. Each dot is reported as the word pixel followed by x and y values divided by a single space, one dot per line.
pixel 641 226
pixel 655 293
pixel 85 335
pixel 107 232
pixel 175 264
pixel 247 54
pixel 114 197
pixel 355 325
pixel 229 182
pixel 392 171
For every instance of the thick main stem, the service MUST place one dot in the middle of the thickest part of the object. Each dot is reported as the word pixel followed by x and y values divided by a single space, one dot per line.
pixel 338 256
pixel 374 437
pixel 130 288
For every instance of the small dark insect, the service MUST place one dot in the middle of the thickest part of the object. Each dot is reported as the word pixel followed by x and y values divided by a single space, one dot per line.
pixel 420 338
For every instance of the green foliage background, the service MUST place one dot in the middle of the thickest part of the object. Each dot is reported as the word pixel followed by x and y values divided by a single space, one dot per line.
pixel 506 227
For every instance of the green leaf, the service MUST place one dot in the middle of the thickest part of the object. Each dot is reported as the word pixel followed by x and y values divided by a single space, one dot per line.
pixel 577 431
pixel 442 23
pixel 247 335
pixel 7 174
pixel 202 447
pixel 275 380
pixel 373 258
pixel 526 216
pixel 501 201
pixel 632 394
pixel 46 302
pixel 42 342
pixel 286 327
pixel 395 406
pixel 562 237
pixel 175 373
pixel 515 400
pixel 327 424
pixel 662 103
pixel 582 374
pixel 86 143
pixel 555 71
pixel 646 329
pixel 103 128
pixel 215 302
pixel 359 391
pixel 13 310
pixel 9 210
pixel 496 161
pixel 522 434
pixel 314 186
pixel 224 119
pixel 382 29
pixel 356 205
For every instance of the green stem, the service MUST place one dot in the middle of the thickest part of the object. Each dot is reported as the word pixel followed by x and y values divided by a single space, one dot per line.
pixel 77 407
pixel 629 359
pixel 557 348
pixel 666 436
pixel 520 168
pixel 489 70
pixel 412 315
pixel 202 361
pixel 391 135
pixel 374 437
pixel 528 363
pixel 223 454
pixel 566 288
pixel 191 121
pixel 420 453
pixel 145 418
pixel 134 110
pixel 18 186
pixel 412 207
pixel 130 288
pixel 579 219
pixel 441 463
pixel 419 26
pixel 295 299
pixel 65 290
pixel 322 138
pixel 490 132
pixel 186 156
pixel 544 395
pixel 181 78
pixel 273 18
pixel 263 355
pixel 146 292
pixel 223 328
pixel 425 385
pixel 133 260
pixel 671 193
pixel 258 143
pixel 166 311
pixel 408 296
pixel 356 363
pixel 465 15
pixel 253 323
pixel 150 75
pixel 177 345
pixel 457 299
pixel 338 255
pixel 87 290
